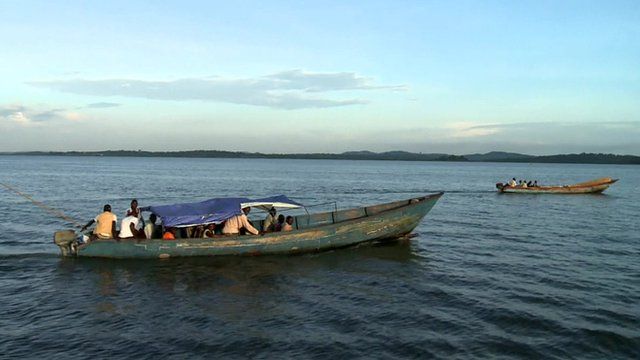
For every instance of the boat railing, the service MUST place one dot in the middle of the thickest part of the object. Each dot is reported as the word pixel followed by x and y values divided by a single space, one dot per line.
pixel 333 217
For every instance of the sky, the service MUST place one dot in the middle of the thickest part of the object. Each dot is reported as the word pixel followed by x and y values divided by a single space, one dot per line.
pixel 536 77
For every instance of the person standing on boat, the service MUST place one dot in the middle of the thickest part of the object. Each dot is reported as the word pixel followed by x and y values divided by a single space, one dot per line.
pixel 105 224
pixel 239 222
pixel 269 223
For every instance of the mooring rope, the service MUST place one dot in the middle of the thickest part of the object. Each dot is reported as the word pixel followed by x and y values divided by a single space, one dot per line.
pixel 44 207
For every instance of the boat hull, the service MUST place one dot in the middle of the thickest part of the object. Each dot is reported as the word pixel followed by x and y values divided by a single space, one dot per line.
pixel 349 227
pixel 590 187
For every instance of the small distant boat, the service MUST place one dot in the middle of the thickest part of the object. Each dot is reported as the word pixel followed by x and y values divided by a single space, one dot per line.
pixel 312 232
pixel 588 187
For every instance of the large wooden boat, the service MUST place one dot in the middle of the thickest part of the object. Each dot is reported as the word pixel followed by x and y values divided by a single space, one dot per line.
pixel 588 187
pixel 312 232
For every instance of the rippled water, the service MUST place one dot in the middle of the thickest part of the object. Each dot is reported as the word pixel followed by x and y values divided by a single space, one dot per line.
pixel 487 275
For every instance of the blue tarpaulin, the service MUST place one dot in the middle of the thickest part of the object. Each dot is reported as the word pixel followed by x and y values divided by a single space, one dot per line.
pixel 214 210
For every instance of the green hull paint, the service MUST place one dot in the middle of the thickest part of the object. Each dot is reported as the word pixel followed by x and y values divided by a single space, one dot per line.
pixel 315 232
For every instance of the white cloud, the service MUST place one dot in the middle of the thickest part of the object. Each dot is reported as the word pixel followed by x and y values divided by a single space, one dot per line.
pixel 294 89
pixel 101 105
pixel 19 117
pixel 469 130
pixel 35 116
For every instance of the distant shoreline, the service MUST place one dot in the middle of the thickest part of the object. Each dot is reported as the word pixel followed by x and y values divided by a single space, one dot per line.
pixel 494 156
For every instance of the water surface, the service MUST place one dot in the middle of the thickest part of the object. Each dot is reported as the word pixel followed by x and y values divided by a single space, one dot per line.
pixel 487 275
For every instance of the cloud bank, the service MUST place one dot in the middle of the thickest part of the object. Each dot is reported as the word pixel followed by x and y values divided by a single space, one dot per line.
pixel 293 89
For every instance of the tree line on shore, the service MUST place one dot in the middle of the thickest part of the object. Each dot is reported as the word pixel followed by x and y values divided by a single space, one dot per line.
pixel 495 156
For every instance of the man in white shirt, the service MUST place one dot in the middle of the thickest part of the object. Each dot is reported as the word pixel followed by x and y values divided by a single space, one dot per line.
pixel 129 228
pixel 238 222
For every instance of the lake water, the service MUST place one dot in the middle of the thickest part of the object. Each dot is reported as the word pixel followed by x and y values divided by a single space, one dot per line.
pixel 488 275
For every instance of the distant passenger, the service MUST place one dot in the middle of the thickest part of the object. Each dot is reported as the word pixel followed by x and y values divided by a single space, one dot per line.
pixel 151 230
pixel 513 182
pixel 269 223
pixel 535 183
pixel 129 228
pixel 105 224
pixel 529 183
pixel 210 231
pixel 239 222
pixel 169 234
pixel 288 226
pixel 524 185
pixel 280 223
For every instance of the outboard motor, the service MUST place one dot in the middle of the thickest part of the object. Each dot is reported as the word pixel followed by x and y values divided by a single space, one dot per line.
pixel 499 186
pixel 66 241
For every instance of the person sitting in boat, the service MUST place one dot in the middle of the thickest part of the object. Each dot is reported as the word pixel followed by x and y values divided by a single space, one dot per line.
pixel 209 231
pixel 197 232
pixel 288 225
pixel 278 226
pixel 105 224
pixel 130 228
pixel 239 222
pixel 535 183
pixel 529 183
pixel 524 184
pixel 169 234
pixel 513 182
pixel 151 230
pixel 269 223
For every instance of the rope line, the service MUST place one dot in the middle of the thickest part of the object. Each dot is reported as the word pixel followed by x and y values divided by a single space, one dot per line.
pixel 44 207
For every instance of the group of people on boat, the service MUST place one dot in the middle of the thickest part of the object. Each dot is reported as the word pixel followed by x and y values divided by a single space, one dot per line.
pixel 133 225
pixel 522 183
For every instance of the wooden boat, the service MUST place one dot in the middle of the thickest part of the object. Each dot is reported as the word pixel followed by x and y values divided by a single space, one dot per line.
pixel 312 232
pixel 587 187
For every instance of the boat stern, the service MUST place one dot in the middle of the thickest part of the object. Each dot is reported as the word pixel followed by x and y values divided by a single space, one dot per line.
pixel 67 241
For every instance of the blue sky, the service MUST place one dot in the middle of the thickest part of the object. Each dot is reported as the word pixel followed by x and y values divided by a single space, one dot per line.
pixel 538 77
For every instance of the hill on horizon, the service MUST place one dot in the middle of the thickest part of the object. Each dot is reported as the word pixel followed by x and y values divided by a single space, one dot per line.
pixel 492 156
